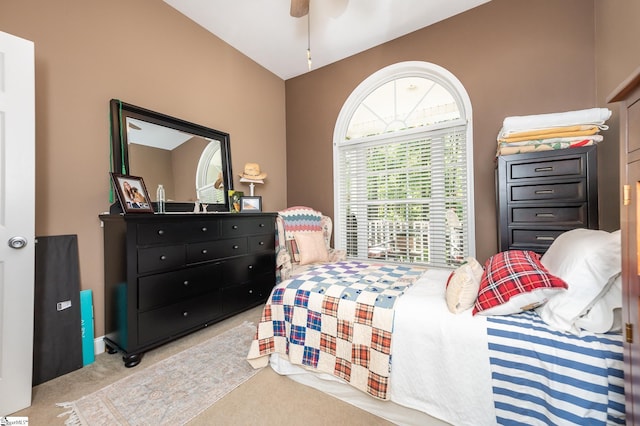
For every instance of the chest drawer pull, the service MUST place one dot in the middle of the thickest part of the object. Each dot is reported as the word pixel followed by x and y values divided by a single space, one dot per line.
pixel 261 225
pixel 544 238
pixel 204 251
pixel 261 243
pixel 185 314
pixel 544 191
pixel 250 291
pixel 236 247
pixel 545 215
pixel 544 169
pixel 234 227
pixel 204 229
pixel 163 257
pixel 250 267
pixel 160 231
pixel 186 283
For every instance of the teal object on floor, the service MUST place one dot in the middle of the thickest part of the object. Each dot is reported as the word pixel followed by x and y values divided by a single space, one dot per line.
pixel 86 315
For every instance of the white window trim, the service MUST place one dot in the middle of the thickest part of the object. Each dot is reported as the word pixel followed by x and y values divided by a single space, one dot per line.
pixel 377 79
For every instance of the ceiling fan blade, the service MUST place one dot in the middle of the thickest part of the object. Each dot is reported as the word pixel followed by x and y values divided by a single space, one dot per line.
pixel 299 8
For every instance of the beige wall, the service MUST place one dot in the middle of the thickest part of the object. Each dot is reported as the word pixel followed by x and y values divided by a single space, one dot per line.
pixel 514 57
pixel 617 56
pixel 147 54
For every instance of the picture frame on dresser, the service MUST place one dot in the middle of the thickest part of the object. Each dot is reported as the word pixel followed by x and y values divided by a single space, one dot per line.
pixel 132 193
pixel 251 204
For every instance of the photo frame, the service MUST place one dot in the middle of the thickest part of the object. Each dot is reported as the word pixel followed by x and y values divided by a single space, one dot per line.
pixel 234 201
pixel 252 204
pixel 132 193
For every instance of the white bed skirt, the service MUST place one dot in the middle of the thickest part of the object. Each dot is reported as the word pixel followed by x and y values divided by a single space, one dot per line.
pixel 337 388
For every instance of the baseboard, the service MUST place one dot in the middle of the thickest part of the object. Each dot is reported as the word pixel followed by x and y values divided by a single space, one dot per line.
pixel 98 345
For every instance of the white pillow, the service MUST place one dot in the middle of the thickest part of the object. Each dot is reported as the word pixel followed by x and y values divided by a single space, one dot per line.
pixel 463 286
pixel 585 259
pixel 312 247
pixel 601 318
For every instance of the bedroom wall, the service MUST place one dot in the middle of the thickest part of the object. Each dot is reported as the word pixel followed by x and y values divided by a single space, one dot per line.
pixel 514 57
pixel 617 56
pixel 147 54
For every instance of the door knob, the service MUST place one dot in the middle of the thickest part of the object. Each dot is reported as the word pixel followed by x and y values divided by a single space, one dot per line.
pixel 17 242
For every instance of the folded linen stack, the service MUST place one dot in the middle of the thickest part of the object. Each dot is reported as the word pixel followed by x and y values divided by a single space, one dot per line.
pixel 545 132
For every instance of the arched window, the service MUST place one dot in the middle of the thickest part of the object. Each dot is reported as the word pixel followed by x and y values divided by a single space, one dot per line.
pixel 404 168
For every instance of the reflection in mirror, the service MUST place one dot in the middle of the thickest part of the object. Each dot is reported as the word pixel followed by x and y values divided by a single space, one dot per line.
pixel 192 162
pixel 209 182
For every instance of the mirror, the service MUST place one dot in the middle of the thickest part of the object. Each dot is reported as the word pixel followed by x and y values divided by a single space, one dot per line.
pixel 192 162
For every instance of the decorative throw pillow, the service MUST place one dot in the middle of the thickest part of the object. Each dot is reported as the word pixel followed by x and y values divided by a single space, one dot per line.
pixel 586 259
pixel 292 248
pixel 463 286
pixel 312 247
pixel 515 281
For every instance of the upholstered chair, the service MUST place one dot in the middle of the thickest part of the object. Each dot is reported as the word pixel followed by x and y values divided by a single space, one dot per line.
pixel 303 238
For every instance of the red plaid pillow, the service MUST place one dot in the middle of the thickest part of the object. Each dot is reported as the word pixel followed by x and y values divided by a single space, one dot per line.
pixel 515 281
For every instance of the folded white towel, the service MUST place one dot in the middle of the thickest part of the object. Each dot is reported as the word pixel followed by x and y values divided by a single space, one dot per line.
pixel 594 116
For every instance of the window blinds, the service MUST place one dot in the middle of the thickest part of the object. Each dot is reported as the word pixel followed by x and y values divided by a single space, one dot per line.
pixel 403 198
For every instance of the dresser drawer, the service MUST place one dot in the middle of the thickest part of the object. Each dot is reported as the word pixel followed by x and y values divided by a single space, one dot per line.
pixel 574 215
pixel 178 318
pixel 569 192
pixel 173 232
pixel 539 239
pixel 247 268
pixel 202 252
pixel 573 166
pixel 159 290
pixel 261 243
pixel 160 258
pixel 247 226
pixel 238 297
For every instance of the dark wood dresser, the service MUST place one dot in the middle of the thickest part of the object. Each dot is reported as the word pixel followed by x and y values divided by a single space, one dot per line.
pixel 167 275
pixel 540 195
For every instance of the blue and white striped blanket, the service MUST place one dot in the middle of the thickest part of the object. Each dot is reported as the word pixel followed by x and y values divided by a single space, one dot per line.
pixel 585 386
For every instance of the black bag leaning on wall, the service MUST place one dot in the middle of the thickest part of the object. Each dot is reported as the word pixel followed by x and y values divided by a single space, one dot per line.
pixel 57 338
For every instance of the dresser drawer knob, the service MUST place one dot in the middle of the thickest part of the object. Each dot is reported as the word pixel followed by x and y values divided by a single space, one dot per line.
pixel 235 247
pixel 163 257
pixel 186 283
pixel 261 225
pixel 204 229
pixel 234 227
pixel 185 314
pixel 250 266
pixel 160 231
pixel 204 251
pixel 261 243
pixel 544 191
pixel 250 291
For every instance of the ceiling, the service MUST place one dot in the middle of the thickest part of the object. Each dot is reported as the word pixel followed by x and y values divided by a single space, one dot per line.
pixel 264 31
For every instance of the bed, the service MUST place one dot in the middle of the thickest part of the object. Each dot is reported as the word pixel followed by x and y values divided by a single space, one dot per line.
pixel 523 340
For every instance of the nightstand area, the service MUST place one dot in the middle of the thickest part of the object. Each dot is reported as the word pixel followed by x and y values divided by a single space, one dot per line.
pixel 540 195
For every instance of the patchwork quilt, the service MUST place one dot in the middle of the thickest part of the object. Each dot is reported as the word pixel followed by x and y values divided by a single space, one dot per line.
pixel 336 318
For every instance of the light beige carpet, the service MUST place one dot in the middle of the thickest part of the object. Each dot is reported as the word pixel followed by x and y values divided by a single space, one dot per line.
pixel 174 390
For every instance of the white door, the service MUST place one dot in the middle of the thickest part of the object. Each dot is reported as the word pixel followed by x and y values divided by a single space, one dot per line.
pixel 17 221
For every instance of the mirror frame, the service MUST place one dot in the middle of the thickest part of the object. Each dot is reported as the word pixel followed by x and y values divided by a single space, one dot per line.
pixel 120 111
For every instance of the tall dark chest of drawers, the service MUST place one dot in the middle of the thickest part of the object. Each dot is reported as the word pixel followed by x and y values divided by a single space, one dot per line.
pixel 169 275
pixel 540 195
